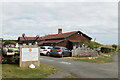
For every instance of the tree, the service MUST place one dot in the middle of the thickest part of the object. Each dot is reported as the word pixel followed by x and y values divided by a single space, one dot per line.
pixel 92 44
pixel 6 42
pixel 80 44
pixel 114 46
pixel 86 43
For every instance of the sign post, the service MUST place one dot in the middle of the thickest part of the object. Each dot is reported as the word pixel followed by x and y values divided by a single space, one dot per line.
pixel 29 54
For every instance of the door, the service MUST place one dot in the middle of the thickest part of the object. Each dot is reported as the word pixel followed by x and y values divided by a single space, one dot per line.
pixel 69 45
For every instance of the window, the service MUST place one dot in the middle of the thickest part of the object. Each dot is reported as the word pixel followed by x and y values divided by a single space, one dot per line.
pixel 49 47
pixel 56 47
pixel 16 51
pixel 66 49
pixel 80 34
pixel 42 47
pixel 9 50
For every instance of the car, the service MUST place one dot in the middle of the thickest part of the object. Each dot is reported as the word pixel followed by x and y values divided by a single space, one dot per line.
pixel 45 50
pixel 10 54
pixel 60 51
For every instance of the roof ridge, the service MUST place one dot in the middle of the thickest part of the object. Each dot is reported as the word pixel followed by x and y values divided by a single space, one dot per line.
pixel 61 34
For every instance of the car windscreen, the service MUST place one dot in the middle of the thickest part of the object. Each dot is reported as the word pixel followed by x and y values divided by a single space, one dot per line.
pixel 56 47
pixel 42 47
pixel 66 49
pixel 9 50
pixel 49 47
pixel 16 51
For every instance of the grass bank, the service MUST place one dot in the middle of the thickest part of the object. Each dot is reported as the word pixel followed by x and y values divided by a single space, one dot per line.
pixel 13 71
pixel 99 60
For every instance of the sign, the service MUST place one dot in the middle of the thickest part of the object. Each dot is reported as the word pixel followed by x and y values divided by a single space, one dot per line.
pixel 30 54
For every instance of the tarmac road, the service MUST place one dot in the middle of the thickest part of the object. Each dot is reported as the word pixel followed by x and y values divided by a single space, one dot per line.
pixel 84 69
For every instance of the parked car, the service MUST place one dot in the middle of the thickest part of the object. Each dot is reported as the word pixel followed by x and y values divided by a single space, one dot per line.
pixel 60 51
pixel 10 55
pixel 45 50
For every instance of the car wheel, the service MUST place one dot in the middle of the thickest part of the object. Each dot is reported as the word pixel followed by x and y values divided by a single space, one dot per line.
pixel 48 54
pixel 62 55
pixel 3 60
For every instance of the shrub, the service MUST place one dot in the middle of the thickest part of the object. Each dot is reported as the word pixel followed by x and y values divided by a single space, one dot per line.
pixel 114 46
pixel 106 50
pixel 6 42
pixel 92 44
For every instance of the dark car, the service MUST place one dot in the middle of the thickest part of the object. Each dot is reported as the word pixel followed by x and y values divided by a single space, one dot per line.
pixel 60 51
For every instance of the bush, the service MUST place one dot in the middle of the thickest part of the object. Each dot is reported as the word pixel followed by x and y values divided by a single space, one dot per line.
pixel 7 42
pixel 114 46
pixel 106 50
pixel 92 44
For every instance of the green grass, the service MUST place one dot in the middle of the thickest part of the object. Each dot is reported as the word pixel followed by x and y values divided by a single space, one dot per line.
pixel 98 60
pixel 13 71
pixel 101 59
pixel 102 55
pixel 112 54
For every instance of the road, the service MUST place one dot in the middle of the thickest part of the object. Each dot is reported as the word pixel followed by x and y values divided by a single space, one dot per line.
pixel 84 69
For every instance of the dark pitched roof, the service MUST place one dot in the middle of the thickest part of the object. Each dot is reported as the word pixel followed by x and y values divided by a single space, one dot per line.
pixel 26 38
pixel 49 36
pixel 50 41
pixel 75 40
pixel 64 35
pixel 55 36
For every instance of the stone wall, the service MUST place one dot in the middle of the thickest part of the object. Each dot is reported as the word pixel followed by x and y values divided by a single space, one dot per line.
pixel 81 51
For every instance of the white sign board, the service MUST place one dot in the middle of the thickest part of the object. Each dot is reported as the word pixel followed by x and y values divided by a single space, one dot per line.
pixel 30 54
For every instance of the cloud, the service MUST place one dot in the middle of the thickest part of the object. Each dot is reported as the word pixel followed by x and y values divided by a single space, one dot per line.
pixel 95 19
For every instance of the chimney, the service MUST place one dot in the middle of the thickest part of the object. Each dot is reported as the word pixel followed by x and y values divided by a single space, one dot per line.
pixel 59 31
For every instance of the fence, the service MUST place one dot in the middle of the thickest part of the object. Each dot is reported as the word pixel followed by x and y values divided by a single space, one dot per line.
pixel 82 51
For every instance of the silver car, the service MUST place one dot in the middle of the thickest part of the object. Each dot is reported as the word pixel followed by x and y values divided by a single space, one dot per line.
pixel 60 51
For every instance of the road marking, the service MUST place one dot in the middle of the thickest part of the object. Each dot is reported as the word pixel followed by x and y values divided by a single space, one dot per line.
pixel 50 60
pixel 41 58
pixel 47 59
pixel 55 58
pixel 65 62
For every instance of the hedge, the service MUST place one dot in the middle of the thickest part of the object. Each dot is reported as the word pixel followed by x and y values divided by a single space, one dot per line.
pixel 106 50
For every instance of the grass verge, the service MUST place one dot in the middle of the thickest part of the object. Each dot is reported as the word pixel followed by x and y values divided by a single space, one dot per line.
pixel 13 71
pixel 98 60
pixel 111 54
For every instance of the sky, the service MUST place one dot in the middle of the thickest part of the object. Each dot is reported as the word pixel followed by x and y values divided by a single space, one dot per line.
pixel 98 20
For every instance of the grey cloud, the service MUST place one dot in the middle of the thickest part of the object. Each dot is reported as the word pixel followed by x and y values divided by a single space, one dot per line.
pixel 46 18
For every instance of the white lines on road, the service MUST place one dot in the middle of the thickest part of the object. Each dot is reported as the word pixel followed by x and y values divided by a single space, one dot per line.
pixel 50 60
pixel 41 58
pixel 55 58
pixel 57 62
pixel 65 62
pixel 47 59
